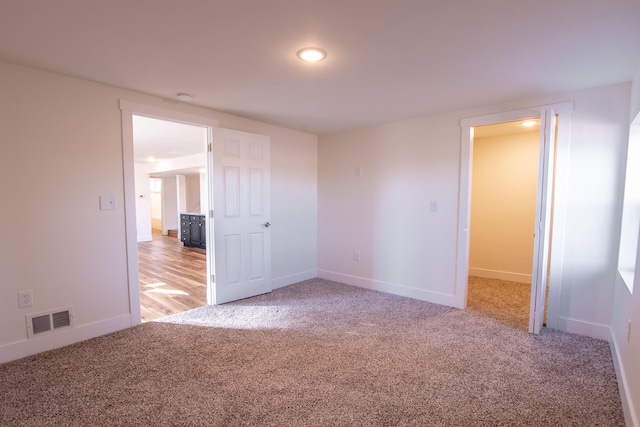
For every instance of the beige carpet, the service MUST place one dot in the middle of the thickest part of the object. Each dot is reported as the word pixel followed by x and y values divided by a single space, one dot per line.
pixel 318 353
pixel 505 301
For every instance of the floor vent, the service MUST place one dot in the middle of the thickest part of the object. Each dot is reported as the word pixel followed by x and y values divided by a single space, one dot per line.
pixel 45 323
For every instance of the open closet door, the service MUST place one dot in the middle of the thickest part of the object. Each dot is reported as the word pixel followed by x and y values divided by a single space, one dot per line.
pixel 543 221
pixel 241 192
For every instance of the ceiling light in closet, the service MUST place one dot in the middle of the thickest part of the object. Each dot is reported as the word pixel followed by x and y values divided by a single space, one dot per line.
pixel 311 54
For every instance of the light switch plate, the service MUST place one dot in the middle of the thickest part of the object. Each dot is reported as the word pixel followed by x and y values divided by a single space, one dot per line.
pixel 107 203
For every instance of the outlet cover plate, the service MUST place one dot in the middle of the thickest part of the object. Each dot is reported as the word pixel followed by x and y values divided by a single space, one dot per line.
pixel 25 299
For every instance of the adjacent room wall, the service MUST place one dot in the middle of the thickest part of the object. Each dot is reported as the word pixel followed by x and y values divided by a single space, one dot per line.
pixel 156 205
pixel 143 202
pixel 192 184
pixel 625 343
pixel 70 131
pixel 170 220
pixel 503 206
pixel 408 249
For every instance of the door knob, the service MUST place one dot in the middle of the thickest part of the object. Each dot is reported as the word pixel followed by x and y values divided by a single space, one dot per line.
pixel 266 225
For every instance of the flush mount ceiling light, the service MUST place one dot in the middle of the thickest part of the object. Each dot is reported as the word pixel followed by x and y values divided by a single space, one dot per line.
pixel 311 54
pixel 529 123
pixel 184 96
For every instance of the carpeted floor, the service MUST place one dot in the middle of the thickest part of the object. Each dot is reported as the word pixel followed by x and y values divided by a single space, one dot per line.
pixel 505 301
pixel 314 354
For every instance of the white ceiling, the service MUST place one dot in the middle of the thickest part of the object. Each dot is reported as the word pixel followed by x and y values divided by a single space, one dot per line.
pixel 387 60
pixel 165 140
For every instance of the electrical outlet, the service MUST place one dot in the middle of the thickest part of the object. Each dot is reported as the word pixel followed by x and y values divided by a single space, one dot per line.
pixel 25 299
pixel 356 256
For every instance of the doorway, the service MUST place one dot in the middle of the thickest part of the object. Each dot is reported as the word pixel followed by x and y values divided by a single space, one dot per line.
pixel 128 111
pixel 503 212
pixel 548 250
pixel 238 255
pixel 170 161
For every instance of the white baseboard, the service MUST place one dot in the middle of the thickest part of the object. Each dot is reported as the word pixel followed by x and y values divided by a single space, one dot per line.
pixel 580 327
pixel 391 288
pixel 500 275
pixel 19 349
pixel 629 413
pixel 283 281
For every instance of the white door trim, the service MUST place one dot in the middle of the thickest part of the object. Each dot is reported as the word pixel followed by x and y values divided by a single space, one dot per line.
pixel 128 109
pixel 464 213
pixel 542 233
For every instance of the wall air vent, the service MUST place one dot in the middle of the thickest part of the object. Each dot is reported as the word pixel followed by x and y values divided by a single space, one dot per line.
pixel 41 324
pixel 48 322
pixel 61 319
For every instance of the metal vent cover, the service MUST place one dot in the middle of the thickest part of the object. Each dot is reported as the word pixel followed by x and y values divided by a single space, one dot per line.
pixel 61 319
pixel 41 324
pixel 47 322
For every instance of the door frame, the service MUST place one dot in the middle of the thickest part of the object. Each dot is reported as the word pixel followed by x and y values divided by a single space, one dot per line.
pixel 127 110
pixel 563 111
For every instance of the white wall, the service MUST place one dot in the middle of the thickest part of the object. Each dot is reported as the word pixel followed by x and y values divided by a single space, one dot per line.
pixel 384 214
pixel 626 307
pixel 192 187
pixel 78 256
pixel 182 193
pixel 503 206
pixel 170 220
pixel 156 205
pixel 143 202
pixel 409 250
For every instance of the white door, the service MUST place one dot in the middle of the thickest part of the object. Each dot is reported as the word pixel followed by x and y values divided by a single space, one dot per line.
pixel 543 221
pixel 241 194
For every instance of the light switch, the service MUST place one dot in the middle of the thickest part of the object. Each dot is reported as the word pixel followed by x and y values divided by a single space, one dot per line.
pixel 107 203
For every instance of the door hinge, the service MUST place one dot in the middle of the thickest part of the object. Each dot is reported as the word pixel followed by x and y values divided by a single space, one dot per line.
pixel 211 213
pixel 209 147
pixel 213 278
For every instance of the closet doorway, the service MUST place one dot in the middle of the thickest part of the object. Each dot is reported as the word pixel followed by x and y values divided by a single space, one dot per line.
pixel 550 208
pixel 503 212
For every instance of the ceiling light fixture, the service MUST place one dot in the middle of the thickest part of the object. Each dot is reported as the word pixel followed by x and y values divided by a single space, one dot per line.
pixel 529 123
pixel 311 54
pixel 184 96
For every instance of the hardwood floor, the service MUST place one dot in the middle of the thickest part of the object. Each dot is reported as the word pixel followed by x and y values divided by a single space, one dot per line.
pixel 172 277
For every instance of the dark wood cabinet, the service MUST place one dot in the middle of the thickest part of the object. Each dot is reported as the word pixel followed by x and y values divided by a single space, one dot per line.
pixel 193 230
